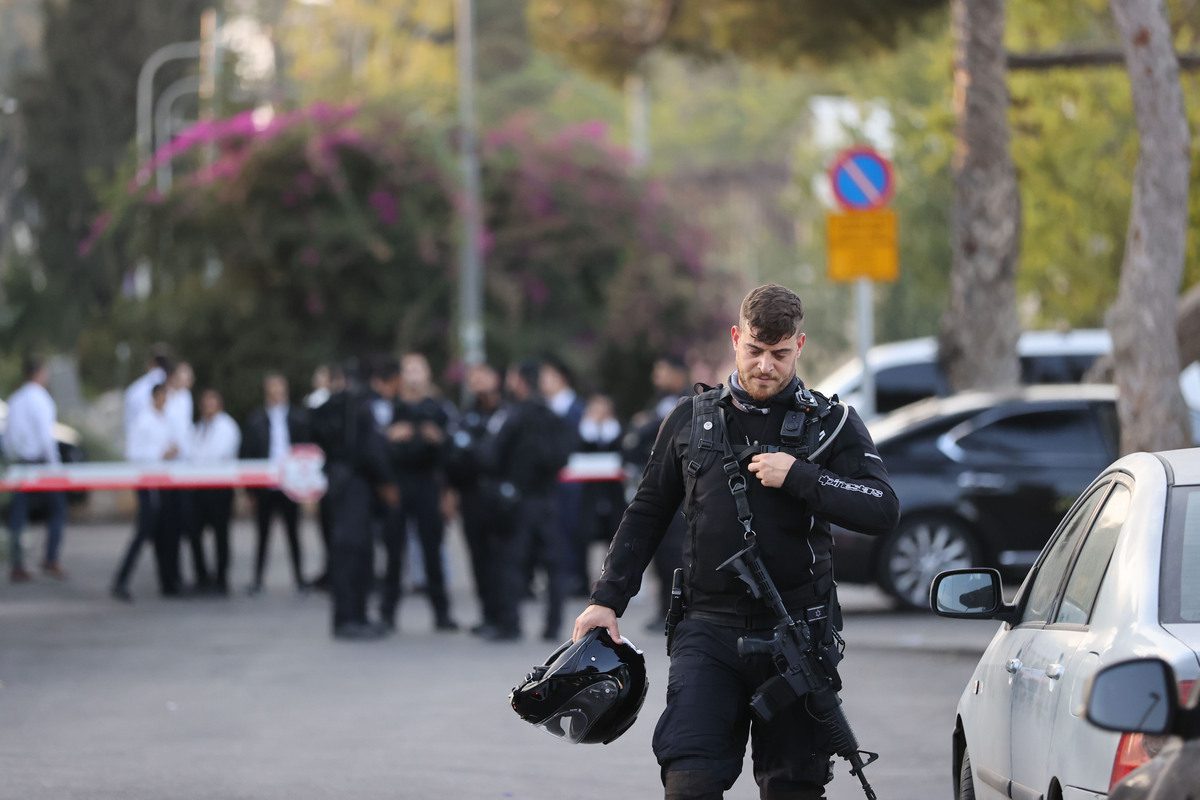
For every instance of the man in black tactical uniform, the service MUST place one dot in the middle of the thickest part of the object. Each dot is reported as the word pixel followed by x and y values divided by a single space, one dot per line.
pixel 525 455
pixel 810 462
pixel 359 473
pixel 464 473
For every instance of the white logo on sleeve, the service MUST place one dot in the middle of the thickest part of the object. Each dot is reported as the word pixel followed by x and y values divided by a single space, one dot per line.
pixel 837 483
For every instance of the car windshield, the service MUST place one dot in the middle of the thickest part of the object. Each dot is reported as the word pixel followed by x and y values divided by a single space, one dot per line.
pixel 1179 599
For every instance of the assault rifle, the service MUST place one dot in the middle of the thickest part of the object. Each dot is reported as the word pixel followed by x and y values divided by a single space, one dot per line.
pixel 807 669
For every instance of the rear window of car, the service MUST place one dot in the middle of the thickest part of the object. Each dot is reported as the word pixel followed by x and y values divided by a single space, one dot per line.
pixel 1179 594
pixel 1052 435
pixel 898 386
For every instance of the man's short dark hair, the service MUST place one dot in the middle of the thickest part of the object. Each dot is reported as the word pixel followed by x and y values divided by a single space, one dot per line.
pixel 528 369
pixel 157 389
pixel 31 366
pixel 772 313
pixel 384 367
pixel 554 362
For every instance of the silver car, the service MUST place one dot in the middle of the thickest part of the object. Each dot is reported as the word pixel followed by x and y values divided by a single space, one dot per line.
pixel 1119 579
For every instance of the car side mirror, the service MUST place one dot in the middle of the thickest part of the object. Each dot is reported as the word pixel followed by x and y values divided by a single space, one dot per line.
pixel 1136 696
pixel 969 594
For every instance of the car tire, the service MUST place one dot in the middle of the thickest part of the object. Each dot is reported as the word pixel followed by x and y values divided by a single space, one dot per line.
pixel 966 785
pixel 920 548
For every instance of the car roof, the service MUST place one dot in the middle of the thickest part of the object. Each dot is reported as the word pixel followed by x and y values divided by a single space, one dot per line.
pixel 1086 341
pixel 966 402
pixel 1184 464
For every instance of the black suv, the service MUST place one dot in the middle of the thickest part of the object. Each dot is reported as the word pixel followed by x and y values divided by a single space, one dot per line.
pixel 983 479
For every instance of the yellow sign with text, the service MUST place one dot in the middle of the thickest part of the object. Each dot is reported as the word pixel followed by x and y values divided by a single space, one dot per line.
pixel 862 244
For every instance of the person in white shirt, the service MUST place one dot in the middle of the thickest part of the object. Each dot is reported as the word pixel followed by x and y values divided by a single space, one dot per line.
pixel 215 438
pixel 179 408
pixel 152 440
pixel 29 439
pixel 137 395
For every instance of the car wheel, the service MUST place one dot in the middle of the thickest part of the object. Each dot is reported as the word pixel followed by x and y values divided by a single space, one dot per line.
pixel 966 785
pixel 917 551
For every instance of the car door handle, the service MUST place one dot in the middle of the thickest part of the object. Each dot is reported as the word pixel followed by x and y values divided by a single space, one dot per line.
pixel 1054 671
pixel 1013 665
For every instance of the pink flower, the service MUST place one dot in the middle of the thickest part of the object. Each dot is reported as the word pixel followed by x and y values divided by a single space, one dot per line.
pixel 97 229
pixel 385 206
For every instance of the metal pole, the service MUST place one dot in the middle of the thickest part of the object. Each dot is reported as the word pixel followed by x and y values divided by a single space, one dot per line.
pixel 637 114
pixel 145 90
pixel 162 125
pixel 471 338
pixel 865 294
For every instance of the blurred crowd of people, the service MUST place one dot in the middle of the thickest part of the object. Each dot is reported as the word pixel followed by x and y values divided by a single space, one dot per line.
pixel 402 461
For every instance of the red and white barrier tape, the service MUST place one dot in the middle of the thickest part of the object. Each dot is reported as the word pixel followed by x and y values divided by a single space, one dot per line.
pixel 298 473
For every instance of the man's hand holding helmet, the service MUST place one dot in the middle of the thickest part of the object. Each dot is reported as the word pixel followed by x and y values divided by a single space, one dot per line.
pixel 595 616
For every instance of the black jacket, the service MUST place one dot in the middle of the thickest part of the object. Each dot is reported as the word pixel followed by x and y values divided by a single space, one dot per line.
pixel 515 452
pixel 256 433
pixel 344 427
pixel 419 457
pixel 849 486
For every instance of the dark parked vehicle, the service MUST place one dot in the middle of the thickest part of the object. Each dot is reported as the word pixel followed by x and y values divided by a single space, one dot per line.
pixel 1139 696
pixel 983 479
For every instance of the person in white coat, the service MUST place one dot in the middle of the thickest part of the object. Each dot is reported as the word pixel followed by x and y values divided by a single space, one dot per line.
pixel 215 439
pixel 152 440
pixel 29 439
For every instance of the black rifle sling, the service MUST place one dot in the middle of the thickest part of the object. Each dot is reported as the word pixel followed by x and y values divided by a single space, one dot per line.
pixel 707 425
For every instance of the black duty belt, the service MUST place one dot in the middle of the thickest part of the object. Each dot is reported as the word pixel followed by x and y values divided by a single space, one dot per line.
pixel 757 622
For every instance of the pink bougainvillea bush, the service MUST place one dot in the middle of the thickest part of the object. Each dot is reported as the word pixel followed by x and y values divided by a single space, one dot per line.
pixel 332 231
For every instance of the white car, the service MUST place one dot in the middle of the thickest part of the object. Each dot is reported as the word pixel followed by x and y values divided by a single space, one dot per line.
pixel 1119 579
pixel 907 371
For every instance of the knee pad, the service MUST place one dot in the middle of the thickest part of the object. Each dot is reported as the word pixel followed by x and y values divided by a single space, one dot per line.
pixel 693 784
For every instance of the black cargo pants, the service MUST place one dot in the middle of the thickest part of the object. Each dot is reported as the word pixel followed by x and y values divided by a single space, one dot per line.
pixel 700 740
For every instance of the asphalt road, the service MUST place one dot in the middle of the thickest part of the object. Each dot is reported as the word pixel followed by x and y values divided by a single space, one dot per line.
pixel 249 697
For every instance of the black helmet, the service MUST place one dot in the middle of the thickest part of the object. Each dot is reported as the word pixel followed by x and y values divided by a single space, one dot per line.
pixel 588 691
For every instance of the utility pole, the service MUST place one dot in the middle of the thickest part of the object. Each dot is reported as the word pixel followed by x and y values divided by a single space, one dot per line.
pixel 637 115
pixel 470 308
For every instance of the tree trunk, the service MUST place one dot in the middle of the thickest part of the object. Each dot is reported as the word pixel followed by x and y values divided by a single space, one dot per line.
pixel 1143 318
pixel 978 341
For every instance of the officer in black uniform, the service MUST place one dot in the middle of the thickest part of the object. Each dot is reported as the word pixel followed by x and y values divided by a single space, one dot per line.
pixel 808 462
pixel 360 475
pixel 418 437
pixel 523 457
pixel 464 473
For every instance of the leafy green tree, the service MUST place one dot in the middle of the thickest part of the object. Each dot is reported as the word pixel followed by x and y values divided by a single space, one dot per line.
pixel 611 38
pixel 78 114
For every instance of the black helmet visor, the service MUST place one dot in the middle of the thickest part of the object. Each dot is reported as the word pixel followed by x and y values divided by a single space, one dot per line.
pixel 577 716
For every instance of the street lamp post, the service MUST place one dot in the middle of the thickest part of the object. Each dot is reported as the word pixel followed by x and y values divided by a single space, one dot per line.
pixel 471 337
pixel 145 90
pixel 162 124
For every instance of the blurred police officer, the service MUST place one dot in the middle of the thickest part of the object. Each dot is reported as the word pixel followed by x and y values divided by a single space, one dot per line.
pixel 525 454
pixel 700 739
pixel 464 473
pixel 418 437
pixel 360 475
pixel 669 376
pixel 386 520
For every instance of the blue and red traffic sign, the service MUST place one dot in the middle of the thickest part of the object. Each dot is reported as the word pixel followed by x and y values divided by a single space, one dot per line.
pixel 862 179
